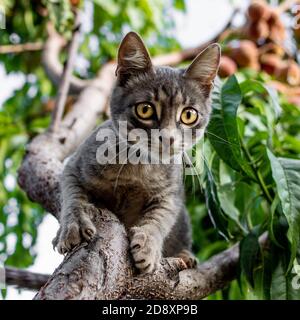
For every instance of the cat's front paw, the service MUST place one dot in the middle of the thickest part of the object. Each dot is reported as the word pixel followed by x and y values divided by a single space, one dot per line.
pixel 188 258
pixel 145 249
pixel 72 234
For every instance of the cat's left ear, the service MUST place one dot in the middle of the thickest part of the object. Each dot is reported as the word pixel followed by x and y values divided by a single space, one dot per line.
pixel 204 67
pixel 133 56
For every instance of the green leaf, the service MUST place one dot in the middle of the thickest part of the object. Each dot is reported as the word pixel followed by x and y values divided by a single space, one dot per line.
pixel 249 253
pixel 282 284
pixel 273 219
pixel 223 129
pixel 286 174
pixel 227 197
pixel 180 5
pixel 270 109
pixel 255 86
pixel 109 6
pixel 213 205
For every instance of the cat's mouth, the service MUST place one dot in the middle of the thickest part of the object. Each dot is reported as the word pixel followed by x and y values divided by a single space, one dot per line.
pixel 172 150
pixel 161 151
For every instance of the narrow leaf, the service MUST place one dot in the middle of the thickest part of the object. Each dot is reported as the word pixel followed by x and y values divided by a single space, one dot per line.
pixel 249 253
pixel 286 174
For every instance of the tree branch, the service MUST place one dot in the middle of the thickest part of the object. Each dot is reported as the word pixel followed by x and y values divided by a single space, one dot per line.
pixel 19 48
pixel 66 76
pixel 50 59
pixel 98 270
pixel 89 266
pixel 25 279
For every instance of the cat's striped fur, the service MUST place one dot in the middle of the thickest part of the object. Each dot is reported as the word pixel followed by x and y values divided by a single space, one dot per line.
pixel 148 199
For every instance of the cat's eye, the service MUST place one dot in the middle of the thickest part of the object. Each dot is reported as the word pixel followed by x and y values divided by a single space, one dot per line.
pixel 144 110
pixel 189 116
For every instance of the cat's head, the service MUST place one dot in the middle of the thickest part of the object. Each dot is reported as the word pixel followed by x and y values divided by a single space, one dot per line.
pixel 172 100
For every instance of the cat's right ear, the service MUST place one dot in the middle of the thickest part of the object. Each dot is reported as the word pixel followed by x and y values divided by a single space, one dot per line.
pixel 133 57
pixel 204 68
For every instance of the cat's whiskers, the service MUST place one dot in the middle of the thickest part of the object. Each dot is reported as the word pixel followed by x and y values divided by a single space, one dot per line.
pixel 185 155
pixel 207 169
pixel 116 155
pixel 118 175
pixel 194 168
pixel 184 164
pixel 220 138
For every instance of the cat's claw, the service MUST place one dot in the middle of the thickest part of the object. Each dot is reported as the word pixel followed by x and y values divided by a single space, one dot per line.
pixel 188 258
pixel 145 250
pixel 73 234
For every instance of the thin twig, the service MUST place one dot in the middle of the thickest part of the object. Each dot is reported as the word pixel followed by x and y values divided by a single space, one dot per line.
pixel 25 279
pixel 52 65
pixel 66 77
pixel 19 48
pixel 286 5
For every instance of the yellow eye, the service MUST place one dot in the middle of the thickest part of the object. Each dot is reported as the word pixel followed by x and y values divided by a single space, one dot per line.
pixel 189 116
pixel 144 110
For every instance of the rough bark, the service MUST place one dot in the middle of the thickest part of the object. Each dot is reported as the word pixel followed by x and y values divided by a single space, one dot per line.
pixel 98 270
pixel 87 272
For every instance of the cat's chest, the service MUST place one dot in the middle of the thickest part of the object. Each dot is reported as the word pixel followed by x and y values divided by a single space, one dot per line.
pixel 134 185
pixel 127 190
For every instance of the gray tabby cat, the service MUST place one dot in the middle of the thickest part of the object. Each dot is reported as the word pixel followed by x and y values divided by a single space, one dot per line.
pixel 147 198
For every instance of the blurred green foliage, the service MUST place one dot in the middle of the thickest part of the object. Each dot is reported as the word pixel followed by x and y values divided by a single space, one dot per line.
pixel 251 151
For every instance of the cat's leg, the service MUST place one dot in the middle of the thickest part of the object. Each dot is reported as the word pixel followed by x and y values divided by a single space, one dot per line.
pixel 147 237
pixel 179 241
pixel 76 214
pixel 180 236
